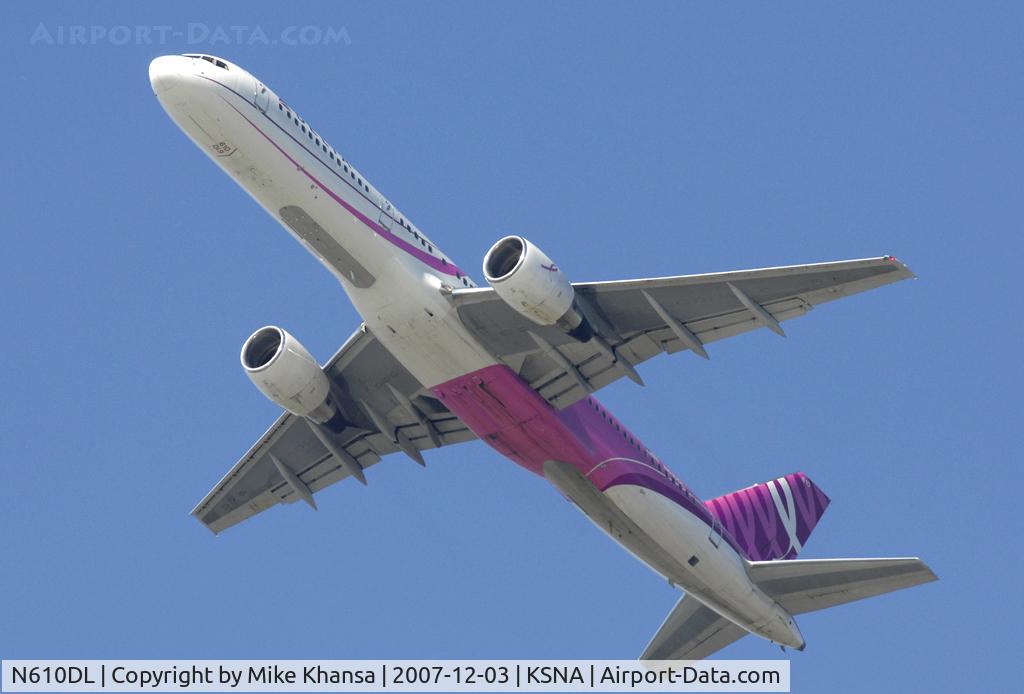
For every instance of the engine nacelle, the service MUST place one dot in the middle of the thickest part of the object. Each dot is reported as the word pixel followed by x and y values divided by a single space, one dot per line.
pixel 528 281
pixel 286 373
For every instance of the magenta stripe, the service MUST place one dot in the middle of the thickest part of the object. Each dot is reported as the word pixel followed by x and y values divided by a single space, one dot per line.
pixel 422 256
pixel 508 415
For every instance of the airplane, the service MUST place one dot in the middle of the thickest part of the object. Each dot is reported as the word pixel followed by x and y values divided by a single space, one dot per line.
pixel 439 360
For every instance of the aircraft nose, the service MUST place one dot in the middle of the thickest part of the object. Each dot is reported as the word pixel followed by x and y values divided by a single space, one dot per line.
pixel 166 72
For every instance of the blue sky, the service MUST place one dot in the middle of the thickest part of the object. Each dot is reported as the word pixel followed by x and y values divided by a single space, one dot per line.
pixel 627 141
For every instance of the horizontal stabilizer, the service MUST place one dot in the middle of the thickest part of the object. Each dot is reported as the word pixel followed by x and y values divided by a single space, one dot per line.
pixel 692 631
pixel 806 585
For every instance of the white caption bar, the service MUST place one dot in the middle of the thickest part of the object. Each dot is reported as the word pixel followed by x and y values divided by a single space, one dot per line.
pixel 395 675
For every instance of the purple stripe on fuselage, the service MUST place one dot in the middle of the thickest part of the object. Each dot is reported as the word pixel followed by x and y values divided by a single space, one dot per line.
pixel 438 264
pixel 507 414
pixel 298 141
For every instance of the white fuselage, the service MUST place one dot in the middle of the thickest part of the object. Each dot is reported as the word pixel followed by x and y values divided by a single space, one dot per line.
pixel 394 276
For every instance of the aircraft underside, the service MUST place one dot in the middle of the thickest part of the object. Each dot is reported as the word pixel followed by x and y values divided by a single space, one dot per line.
pixel 438 361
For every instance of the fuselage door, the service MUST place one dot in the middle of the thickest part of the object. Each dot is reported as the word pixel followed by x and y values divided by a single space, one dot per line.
pixel 715 532
pixel 261 97
pixel 387 212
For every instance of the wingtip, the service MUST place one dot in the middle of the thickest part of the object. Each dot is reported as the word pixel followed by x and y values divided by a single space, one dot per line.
pixel 932 576
pixel 901 265
pixel 194 514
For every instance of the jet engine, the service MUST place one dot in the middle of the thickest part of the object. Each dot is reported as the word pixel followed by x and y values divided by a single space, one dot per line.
pixel 286 373
pixel 528 281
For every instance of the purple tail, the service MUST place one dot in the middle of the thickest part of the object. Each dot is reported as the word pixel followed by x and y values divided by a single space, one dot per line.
pixel 771 520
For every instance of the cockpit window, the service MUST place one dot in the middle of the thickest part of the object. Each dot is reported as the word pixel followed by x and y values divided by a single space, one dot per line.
pixel 208 58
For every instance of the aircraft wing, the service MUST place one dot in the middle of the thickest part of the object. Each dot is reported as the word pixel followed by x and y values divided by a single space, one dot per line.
pixel 691 631
pixel 641 318
pixel 363 371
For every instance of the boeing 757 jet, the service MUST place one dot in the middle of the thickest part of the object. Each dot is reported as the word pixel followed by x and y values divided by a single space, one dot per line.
pixel 439 360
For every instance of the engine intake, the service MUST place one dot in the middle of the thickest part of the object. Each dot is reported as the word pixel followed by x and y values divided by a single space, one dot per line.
pixel 286 373
pixel 528 281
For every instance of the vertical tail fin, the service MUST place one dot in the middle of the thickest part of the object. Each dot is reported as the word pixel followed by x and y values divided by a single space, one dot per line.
pixel 771 520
